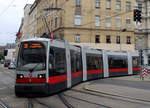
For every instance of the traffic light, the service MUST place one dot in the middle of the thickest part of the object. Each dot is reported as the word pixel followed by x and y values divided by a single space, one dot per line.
pixel 137 15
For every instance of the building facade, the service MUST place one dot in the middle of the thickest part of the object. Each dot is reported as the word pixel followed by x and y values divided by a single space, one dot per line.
pixel 98 23
pixel 32 21
pixel 26 22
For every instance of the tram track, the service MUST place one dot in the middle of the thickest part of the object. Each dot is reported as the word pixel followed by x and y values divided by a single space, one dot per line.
pixel 65 101
pixel 31 105
pixel 84 100
pixel 111 96
pixel 41 103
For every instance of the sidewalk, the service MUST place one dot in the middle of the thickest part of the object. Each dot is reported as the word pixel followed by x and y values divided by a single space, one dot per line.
pixel 120 90
pixel 132 78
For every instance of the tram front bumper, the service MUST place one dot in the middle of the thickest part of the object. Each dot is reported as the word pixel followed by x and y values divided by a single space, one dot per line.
pixel 41 88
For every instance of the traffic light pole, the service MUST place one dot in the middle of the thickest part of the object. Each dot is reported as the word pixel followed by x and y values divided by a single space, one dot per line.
pixel 141 63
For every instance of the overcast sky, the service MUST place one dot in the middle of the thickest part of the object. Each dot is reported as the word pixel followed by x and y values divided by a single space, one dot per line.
pixel 11 12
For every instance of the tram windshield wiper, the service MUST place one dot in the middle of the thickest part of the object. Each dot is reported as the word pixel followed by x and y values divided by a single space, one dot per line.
pixel 31 70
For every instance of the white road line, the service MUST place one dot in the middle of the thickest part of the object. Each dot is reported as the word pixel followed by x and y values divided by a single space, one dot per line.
pixel 3 88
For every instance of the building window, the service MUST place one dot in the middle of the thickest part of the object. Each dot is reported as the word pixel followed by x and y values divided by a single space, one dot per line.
pixel 56 22
pixel 108 21
pixel 118 39
pixel 139 6
pixel 128 6
pixel 108 39
pixel 97 3
pixel 128 40
pixel 61 36
pixel 77 20
pixel 118 22
pixel 60 21
pixel 118 5
pixel 97 39
pixel 108 4
pixel 77 38
pixel 128 22
pixel 78 3
pixel 97 20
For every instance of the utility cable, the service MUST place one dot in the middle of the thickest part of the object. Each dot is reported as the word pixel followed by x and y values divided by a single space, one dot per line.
pixel 7 8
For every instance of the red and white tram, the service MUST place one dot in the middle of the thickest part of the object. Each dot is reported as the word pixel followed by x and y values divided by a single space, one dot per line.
pixel 47 66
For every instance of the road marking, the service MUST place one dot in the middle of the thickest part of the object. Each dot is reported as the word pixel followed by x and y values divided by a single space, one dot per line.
pixel 3 88
pixel 3 104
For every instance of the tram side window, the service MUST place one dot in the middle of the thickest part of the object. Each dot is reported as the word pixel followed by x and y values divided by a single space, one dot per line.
pixel 148 60
pixel 57 61
pixel 76 63
pixel 135 61
pixel 117 62
pixel 93 62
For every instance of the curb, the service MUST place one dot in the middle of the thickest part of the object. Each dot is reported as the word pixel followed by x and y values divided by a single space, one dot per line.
pixel 117 95
pixel 132 80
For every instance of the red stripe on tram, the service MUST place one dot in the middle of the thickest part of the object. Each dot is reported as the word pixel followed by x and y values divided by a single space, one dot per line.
pixel 95 71
pixel 137 69
pixel 31 80
pixel 57 79
pixel 76 74
pixel 118 70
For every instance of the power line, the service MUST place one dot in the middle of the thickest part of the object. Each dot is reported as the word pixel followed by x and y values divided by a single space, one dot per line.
pixel 7 8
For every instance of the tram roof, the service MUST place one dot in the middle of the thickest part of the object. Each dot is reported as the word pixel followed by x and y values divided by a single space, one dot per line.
pixel 36 39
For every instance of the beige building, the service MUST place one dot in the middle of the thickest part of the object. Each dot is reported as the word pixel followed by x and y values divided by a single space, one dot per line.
pixel 32 26
pixel 98 23
pixel 26 21
pixel 104 24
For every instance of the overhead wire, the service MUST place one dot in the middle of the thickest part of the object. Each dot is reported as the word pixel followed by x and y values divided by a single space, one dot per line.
pixel 3 11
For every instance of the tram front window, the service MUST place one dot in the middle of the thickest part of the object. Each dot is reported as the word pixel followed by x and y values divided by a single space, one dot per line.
pixel 32 56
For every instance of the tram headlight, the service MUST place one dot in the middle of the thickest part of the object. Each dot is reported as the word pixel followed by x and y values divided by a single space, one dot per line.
pixel 41 76
pixel 20 76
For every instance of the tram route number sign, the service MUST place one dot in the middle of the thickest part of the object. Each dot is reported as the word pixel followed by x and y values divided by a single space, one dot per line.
pixel 33 45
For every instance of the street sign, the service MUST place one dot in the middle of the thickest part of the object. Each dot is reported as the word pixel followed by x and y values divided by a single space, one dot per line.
pixel 144 72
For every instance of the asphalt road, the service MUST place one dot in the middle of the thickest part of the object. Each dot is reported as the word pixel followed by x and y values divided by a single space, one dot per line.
pixel 77 97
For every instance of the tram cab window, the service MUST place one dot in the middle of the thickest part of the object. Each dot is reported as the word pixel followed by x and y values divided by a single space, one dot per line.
pixel 94 62
pixel 117 61
pixel 57 61
pixel 135 61
pixel 76 61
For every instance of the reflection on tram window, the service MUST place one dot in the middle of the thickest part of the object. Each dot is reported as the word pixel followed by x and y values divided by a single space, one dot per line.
pixel 76 61
pixel 135 61
pixel 57 61
pixel 117 62
pixel 94 62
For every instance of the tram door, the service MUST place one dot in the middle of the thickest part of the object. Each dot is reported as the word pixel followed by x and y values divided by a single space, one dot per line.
pixel 94 66
pixel 118 65
pixel 57 69
pixel 76 65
